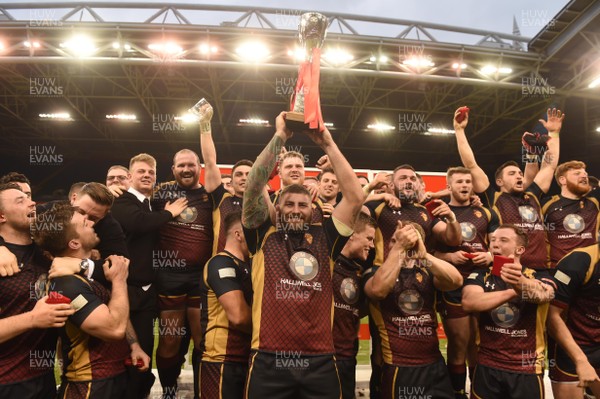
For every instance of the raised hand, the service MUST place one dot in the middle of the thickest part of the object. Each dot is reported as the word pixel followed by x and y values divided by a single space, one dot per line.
pixel 555 120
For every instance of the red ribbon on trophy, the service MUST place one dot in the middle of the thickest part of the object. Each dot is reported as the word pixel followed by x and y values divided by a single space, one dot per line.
pixel 308 81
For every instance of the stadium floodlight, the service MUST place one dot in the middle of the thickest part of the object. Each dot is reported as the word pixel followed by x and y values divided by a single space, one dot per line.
pixel 165 47
pixel 458 65
pixel 206 48
pixel 297 53
pixel 338 56
pixel 491 69
pixel 122 117
pixel 58 116
pixel 187 118
pixel 594 83
pixel 80 46
pixel 418 61
pixel 598 129
pixel 435 130
pixel 381 127
pixel 125 46
pixel 253 51
pixel 31 44
pixel 254 122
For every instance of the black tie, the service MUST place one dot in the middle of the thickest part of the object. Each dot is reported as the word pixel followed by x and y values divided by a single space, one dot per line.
pixel 146 205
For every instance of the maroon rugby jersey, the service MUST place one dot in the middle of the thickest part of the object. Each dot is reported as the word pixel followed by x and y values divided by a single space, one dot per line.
pixel 524 211
pixel 511 336
pixel 291 280
pixel 85 357
pixel 31 354
pixel 406 319
pixel 578 280
pixel 185 242
pixel 571 224
pixel 348 298
pixel 387 221
pixel 223 204
pixel 475 225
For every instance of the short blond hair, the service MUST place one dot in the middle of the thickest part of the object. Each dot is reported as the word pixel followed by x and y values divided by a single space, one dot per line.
pixel 143 157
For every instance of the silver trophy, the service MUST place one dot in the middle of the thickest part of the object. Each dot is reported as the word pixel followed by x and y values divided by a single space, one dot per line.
pixel 312 31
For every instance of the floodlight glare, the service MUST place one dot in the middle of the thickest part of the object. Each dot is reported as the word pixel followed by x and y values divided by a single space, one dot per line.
pixel 418 62
pixel 381 127
pixel 338 56
pixel 80 46
pixel 253 51
pixel 165 47
pixel 122 117
pixel 594 83
pixel 62 116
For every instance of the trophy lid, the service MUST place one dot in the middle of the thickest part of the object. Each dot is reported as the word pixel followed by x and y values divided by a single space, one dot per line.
pixel 312 28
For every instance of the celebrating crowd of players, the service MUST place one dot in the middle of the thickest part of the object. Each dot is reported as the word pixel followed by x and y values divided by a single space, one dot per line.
pixel 271 287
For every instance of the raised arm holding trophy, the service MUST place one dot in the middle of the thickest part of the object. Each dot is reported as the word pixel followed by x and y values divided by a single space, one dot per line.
pixel 305 107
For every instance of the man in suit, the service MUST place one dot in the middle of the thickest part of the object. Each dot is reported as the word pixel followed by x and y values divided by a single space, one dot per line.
pixel 132 210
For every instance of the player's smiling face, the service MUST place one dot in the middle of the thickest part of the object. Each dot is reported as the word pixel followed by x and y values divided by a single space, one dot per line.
pixel 295 211
pixel 143 177
pixel 291 171
pixel 511 180
pixel 186 170
pixel 406 184
pixel 239 179
pixel 362 242
pixel 328 186
pixel 461 186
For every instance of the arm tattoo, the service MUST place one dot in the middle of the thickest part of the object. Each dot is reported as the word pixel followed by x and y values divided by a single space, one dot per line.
pixel 130 334
pixel 255 210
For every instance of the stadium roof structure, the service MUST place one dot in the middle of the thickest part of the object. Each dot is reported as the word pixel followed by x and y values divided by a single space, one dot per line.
pixel 154 61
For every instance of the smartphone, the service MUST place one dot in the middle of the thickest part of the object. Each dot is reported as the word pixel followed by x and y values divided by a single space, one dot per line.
pixel 499 261
pixel 431 205
pixel 463 114
pixel 56 298
pixel 469 255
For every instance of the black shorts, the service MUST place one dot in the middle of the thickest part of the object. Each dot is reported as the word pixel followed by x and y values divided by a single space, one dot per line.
pixel 42 387
pixel 429 381
pixel 347 372
pixel 490 383
pixel 450 304
pixel 222 380
pixel 115 387
pixel 282 376
pixel 562 368
pixel 178 290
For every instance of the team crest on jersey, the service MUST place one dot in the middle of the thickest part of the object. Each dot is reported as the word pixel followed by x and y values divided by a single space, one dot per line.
pixel 419 277
pixel 309 238
pixel 349 290
pixel 424 216
pixel 188 215
pixel 574 223
pixel 410 302
pixel 477 214
pixel 304 265
pixel 528 214
pixel 468 231
pixel 505 315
